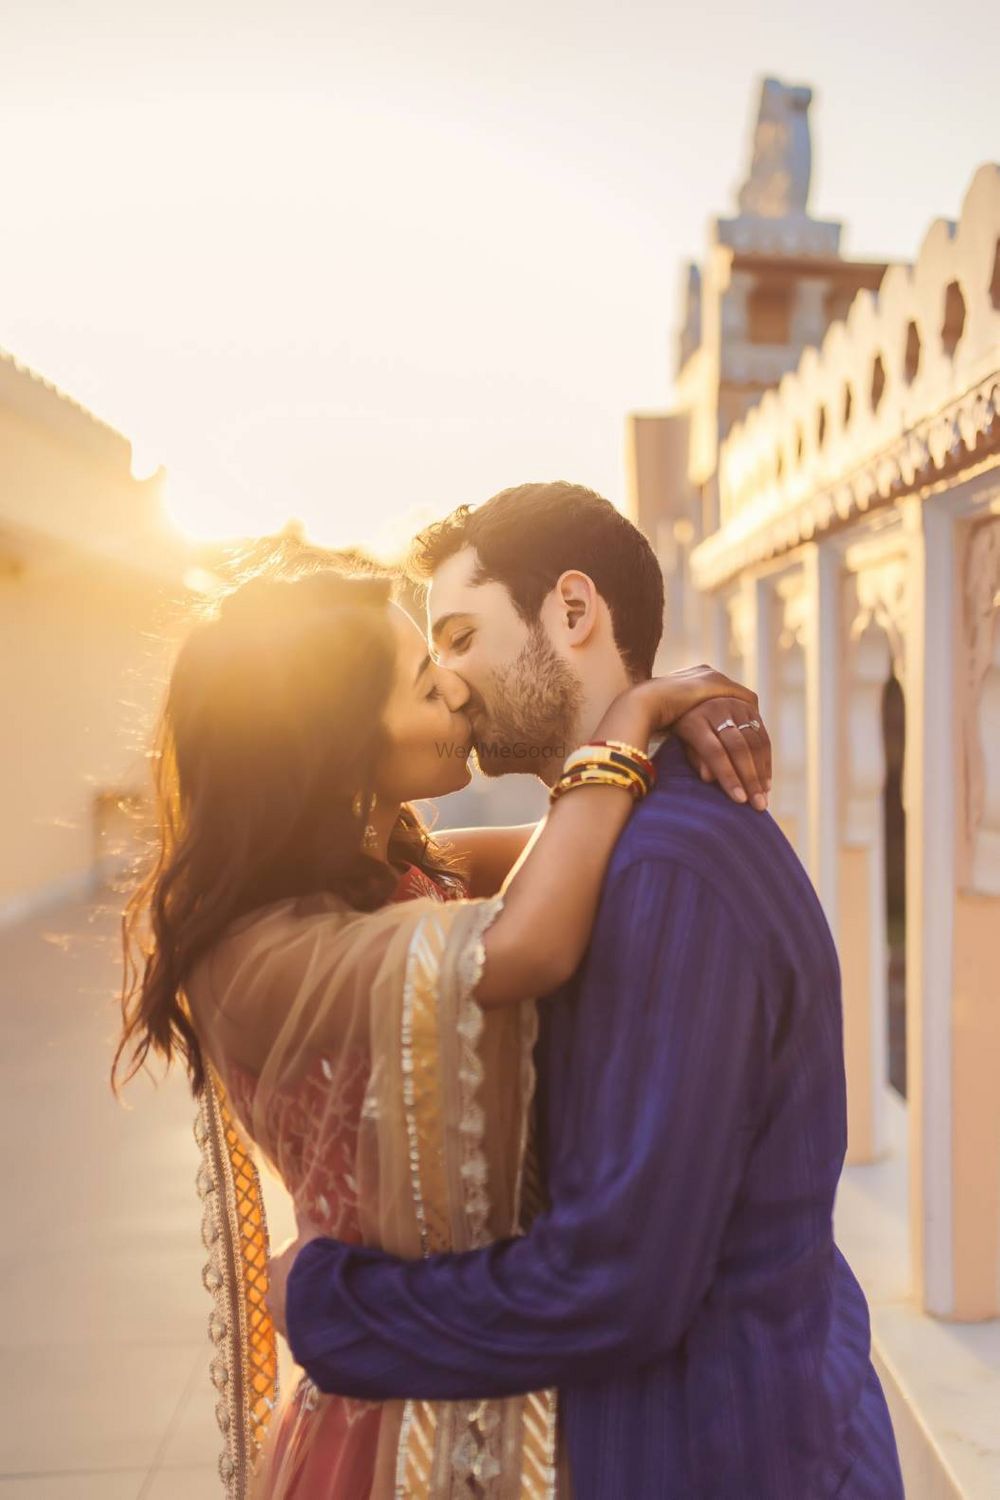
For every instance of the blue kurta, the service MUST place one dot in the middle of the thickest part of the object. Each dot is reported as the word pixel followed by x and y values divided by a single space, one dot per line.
pixel 683 1291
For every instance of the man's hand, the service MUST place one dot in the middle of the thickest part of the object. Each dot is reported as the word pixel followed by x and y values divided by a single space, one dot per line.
pixel 279 1268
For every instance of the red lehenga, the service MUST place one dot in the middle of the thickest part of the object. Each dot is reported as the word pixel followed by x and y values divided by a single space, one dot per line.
pixel 350 1049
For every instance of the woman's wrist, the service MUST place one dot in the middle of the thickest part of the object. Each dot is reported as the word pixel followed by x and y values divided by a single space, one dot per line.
pixel 607 763
pixel 632 717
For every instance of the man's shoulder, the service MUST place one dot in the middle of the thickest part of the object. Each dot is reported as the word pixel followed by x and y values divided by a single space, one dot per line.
pixel 695 832
pixel 694 823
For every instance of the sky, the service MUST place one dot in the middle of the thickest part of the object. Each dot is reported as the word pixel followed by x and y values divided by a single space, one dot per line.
pixel 356 264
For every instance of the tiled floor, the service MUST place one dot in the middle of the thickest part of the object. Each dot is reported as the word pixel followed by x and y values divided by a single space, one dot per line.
pixel 104 1392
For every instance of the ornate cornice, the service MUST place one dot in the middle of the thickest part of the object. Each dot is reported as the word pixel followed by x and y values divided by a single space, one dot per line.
pixel 901 395
pixel 943 446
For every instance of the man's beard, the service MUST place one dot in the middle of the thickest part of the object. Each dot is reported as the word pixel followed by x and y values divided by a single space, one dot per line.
pixel 531 718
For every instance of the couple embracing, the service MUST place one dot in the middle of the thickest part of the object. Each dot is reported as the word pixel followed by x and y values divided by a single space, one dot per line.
pixel 561 1108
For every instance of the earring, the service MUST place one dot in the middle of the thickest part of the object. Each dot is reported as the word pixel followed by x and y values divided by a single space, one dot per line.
pixel 369 839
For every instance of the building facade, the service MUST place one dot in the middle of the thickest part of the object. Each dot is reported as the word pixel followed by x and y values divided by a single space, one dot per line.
pixel 834 539
pixel 91 581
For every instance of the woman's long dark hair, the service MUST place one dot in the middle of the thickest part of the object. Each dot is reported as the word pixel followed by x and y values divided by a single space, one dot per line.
pixel 263 765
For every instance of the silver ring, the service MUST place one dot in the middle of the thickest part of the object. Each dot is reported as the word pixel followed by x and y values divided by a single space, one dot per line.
pixel 750 724
pixel 726 724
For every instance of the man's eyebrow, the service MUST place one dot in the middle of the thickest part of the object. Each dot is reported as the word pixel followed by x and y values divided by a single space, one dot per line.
pixel 421 669
pixel 445 620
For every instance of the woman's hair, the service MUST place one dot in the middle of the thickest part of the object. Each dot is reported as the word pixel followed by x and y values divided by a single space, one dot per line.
pixel 264 759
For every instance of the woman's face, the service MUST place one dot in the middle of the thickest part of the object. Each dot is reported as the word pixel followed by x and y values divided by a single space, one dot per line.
pixel 429 735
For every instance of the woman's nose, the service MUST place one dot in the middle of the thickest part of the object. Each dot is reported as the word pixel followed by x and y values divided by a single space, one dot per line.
pixel 454 689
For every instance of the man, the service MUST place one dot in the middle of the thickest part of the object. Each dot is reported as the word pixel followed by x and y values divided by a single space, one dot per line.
pixel 683 1290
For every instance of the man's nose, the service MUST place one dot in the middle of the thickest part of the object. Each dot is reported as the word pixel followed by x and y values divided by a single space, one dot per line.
pixel 454 689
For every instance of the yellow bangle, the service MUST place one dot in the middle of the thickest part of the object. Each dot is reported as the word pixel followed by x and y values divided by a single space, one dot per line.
pixel 613 758
pixel 596 775
pixel 616 775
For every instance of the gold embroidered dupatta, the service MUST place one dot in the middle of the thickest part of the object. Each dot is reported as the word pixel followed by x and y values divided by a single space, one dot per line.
pixel 437 1165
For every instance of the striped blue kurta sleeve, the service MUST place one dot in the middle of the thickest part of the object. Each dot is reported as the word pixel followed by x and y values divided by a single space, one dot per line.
pixel 643 1181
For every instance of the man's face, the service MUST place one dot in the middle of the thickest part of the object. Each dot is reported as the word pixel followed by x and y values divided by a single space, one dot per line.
pixel 524 698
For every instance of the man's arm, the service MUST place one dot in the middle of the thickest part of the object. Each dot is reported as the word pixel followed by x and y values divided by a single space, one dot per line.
pixel 611 1276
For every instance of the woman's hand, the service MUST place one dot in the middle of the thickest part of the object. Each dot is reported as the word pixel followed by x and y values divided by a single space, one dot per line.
pixel 717 719
pixel 726 741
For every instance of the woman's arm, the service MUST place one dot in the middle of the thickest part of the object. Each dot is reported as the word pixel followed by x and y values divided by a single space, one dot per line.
pixel 538 940
pixel 487 855
pixel 611 1276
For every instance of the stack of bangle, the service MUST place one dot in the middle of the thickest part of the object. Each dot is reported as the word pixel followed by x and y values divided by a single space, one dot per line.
pixel 606 763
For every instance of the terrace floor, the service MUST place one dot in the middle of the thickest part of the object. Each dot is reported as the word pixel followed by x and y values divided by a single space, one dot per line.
pixel 104 1391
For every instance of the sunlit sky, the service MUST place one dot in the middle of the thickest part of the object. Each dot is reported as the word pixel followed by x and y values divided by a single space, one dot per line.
pixel 356 264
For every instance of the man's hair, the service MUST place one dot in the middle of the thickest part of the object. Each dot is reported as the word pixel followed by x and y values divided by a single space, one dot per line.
pixel 526 537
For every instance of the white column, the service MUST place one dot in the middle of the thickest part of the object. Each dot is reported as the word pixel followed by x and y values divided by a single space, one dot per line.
pixel 716 634
pixel 975 1013
pixel 861 938
pixel 929 782
pixel 822 573
pixel 790 627
pixel 758 610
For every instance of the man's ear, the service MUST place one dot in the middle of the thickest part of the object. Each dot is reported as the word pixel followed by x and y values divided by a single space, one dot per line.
pixel 577 606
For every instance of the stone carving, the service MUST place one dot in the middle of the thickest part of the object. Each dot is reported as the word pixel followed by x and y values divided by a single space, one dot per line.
pixel 780 167
pixel 794 606
pixel 882 600
pixel 875 600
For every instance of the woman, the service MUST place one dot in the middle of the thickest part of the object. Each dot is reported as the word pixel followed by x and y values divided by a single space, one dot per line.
pixel 354 996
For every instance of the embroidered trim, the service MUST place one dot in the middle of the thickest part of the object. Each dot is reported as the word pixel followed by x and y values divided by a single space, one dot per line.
pixel 234 1231
pixel 456 1450
pixel 475 1457
pixel 472 1120
pixel 409 1103
pixel 538 1446
pixel 403 1451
